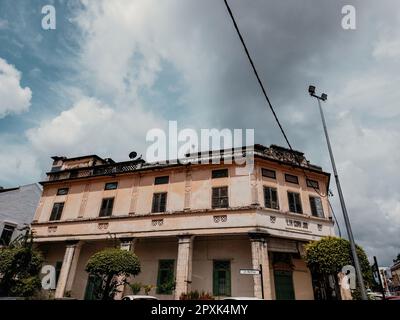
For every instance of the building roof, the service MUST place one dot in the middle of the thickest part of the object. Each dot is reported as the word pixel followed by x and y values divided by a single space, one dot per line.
pixel 281 155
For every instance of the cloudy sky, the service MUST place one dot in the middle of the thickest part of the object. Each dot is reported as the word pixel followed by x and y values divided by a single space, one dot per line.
pixel 112 70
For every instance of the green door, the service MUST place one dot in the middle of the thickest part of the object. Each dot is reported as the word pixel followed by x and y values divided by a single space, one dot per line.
pixel 93 288
pixel 283 285
pixel 222 278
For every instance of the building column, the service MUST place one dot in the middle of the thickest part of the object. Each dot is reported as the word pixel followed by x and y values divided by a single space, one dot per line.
pixel 68 268
pixel 127 244
pixel 254 187
pixel 74 266
pixel 259 256
pixel 184 265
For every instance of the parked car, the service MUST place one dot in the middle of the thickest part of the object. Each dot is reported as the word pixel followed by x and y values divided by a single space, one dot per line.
pixel 379 296
pixel 392 298
pixel 138 297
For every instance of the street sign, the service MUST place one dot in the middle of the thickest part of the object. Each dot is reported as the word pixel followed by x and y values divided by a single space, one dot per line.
pixel 249 271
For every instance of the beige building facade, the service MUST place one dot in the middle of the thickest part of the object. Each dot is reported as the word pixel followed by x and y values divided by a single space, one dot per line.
pixel 195 225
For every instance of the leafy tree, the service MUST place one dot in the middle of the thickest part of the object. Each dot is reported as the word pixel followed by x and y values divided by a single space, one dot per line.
pixel 112 266
pixel 329 255
pixel 20 265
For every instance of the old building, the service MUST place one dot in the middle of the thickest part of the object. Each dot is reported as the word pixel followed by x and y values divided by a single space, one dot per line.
pixel 195 224
pixel 17 208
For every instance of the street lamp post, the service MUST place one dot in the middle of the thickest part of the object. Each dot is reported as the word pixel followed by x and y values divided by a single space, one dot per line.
pixel 357 266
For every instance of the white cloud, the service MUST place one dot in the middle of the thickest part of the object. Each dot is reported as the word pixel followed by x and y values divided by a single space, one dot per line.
pixel 13 98
pixel 90 126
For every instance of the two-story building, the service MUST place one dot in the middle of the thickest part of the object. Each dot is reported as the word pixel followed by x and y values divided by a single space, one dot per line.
pixel 197 225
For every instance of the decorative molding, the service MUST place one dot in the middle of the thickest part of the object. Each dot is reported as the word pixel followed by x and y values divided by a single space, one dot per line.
pixel 102 225
pixel 296 224
pixel 157 222
pixel 222 218
pixel 52 229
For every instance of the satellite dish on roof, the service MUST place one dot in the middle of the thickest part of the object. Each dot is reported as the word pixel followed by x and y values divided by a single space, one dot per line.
pixel 133 155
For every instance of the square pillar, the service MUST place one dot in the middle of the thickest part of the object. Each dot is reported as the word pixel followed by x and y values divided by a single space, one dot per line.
pixel 259 257
pixel 68 268
pixel 184 265
pixel 127 244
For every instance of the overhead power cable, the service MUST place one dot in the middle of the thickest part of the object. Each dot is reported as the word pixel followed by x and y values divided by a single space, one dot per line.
pixel 256 73
pixel 265 94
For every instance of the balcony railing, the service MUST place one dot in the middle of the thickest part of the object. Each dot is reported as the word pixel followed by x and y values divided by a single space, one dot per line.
pixel 96 171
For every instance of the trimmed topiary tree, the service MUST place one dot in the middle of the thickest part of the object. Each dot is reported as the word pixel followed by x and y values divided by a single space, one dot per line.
pixel 112 266
pixel 329 255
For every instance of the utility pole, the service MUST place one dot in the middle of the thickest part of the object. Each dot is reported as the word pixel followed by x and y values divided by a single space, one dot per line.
pixel 323 97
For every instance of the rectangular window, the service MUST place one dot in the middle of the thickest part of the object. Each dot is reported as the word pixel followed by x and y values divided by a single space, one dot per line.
pixel 159 202
pixel 268 173
pixel 271 198
pixel 220 173
pixel 316 207
pixel 220 197
pixel 222 278
pixel 62 191
pixel 294 202
pixel 111 186
pixel 312 184
pixel 57 211
pixel 291 178
pixel 161 180
pixel 106 207
pixel 6 234
pixel 165 278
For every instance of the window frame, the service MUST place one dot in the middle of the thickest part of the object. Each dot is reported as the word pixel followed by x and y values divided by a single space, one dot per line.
pixel 309 183
pixel 319 210
pixel 270 171
pixel 171 275
pixel 219 197
pixel 108 184
pixel 160 180
pixel 299 204
pixel 56 216
pixel 215 174
pixel 7 227
pixel 59 191
pixel 107 208
pixel 289 176
pixel 271 190
pixel 228 271
pixel 157 208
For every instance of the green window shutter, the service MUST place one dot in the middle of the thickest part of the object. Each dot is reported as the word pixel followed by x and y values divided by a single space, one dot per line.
pixel 215 281
pixel 165 276
pixel 228 280
pixel 222 278
pixel 284 289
